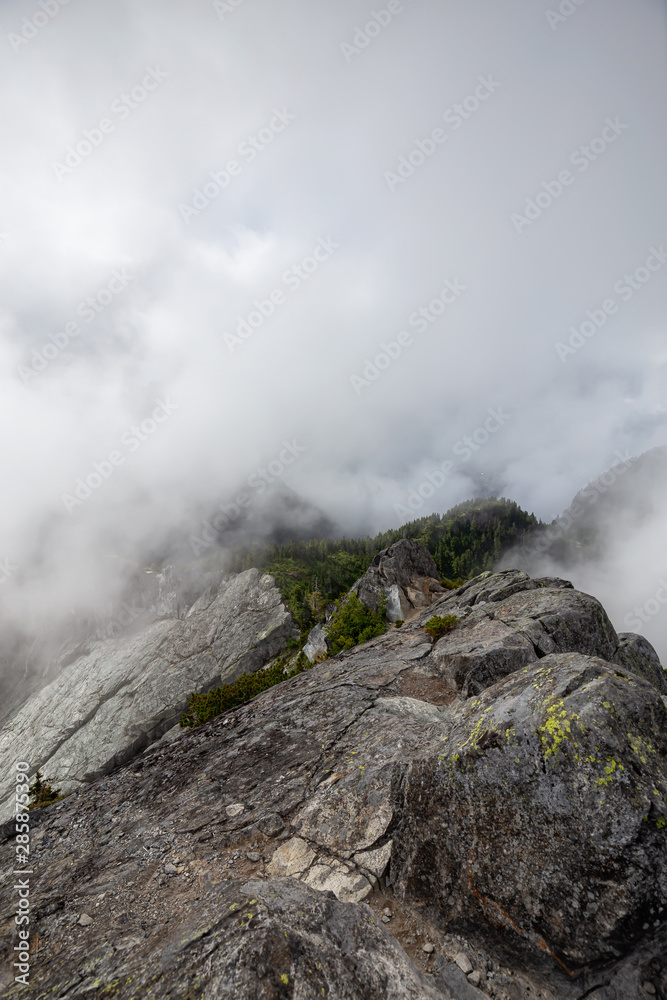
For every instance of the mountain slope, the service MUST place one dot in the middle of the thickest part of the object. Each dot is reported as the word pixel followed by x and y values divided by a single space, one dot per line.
pixel 468 539
pixel 463 786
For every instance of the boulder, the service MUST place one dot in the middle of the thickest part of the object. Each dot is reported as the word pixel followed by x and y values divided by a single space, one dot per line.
pixel 544 813
pixel 507 620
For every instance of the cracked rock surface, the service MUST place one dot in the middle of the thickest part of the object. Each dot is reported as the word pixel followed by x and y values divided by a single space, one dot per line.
pixel 406 574
pixel 125 692
pixel 500 793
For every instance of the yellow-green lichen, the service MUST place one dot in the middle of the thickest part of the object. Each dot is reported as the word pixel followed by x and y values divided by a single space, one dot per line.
pixel 640 747
pixel 610 769
pixel 557 728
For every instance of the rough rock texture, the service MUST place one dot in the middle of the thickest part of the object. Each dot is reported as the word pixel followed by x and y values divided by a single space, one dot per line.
pixel 547 805
pixel 249 940
pixel 316 648
pixel 406 572
pixel 31 659
pixel 637 654
pixel 515 816
pixel 125 692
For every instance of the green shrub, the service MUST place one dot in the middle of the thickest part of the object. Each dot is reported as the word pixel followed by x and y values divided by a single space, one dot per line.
pixel 203 707
pixel 437 626
pixel 451 584
pixel 399 623
pixel 467 540
pixel 42 793
pixel 353 622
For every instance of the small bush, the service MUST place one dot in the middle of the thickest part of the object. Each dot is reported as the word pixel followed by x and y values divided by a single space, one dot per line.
pixel 399 622
pixel 451 584
pixel 437 626
pixel 203 707
pixel 353 623
pixel 42 793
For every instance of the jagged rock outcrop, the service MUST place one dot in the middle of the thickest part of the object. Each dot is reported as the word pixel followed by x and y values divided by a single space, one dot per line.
pixel 124 692
pixel 407 574
pixel 30 658
pixel 501 793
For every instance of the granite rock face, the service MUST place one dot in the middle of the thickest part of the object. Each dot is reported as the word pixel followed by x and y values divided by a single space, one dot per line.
pixel 253 940
pixel 317 647
pixel 124 692
pixel 502 792
pixel 407 574
pixel 545 811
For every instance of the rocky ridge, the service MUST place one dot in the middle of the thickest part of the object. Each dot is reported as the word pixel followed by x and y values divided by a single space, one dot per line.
pixel 122 693
pixel 485 815
pixel 404 575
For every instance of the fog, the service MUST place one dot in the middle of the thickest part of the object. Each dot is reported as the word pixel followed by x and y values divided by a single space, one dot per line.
pixel 609 542
pixel 384 257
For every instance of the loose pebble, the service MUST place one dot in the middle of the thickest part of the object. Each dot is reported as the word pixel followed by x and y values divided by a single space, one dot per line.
pixel 463 962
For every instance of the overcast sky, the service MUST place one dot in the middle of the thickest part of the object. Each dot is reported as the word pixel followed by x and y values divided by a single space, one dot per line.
pixel 499 167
